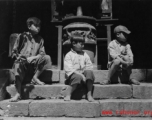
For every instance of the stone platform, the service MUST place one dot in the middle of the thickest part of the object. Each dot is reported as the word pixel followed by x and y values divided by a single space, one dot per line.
pixel 117 100
pixel 114 101
pixel 58 76
pixel 77 108
pixel 73 118
pixel 115 91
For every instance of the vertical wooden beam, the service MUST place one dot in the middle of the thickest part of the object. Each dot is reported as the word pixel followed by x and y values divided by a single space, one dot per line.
pixel 96 57
pixel 108 34
pixel 59 64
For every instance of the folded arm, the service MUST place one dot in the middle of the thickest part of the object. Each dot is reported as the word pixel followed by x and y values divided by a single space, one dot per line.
pixel 41 51
pixel 68 67
pixel 89 65
pixel 15 52
pixel 114 54
pixel 130 54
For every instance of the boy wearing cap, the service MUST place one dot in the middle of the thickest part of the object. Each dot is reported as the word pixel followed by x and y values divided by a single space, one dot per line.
pixel 78 67
pixel 121 56
pixel 31 59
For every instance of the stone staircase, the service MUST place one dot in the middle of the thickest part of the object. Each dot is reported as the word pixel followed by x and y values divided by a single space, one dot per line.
pixel 116 100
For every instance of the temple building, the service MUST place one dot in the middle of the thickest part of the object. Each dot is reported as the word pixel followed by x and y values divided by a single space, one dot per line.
pixel 95 19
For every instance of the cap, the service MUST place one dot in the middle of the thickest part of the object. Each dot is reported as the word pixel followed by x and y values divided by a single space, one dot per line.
pixel 121 28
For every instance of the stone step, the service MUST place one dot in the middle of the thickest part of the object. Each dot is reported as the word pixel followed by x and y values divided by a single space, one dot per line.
pixel 58 76
pixel 74 118
pixel 117 91
pixel 48 76
pixel 79 108
pixel 101 75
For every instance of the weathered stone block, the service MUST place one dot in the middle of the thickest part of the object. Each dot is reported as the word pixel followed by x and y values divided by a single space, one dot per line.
pixel 142 91
pixel 112 91
pixel 149 75
pixel 100 75
pixel 49 76
pixel 83 108
pixel 127 108
pixel 37 91
pixel 54 108
pixel 14 108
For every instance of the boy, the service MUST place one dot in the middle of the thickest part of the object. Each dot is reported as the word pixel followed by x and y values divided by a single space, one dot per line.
pixel 121 56
pixel 30 55
pixel 78 66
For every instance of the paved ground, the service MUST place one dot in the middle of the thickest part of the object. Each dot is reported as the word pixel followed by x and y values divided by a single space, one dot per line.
pixel 67 118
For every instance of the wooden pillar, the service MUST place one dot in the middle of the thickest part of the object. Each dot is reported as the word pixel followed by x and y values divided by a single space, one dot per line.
pixel 96 57
pixel 59 63
pixel 108 34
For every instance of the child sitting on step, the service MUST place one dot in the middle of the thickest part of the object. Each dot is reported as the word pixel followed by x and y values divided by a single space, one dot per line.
pixel 31 59
pixel 121 56
pixel 78 67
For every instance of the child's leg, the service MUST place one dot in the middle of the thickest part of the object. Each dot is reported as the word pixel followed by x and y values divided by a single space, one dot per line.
pixel 35 78
pixel 132 80
pixel 43 64
pixel 18 90
pixel 69 92
pixel 129 71
pixel 114 67
pixel 19 75
pixel 89 82
pixel 126 59
pixel 89 93
pixel 75 79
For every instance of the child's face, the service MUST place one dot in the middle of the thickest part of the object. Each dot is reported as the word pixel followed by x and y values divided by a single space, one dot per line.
pixel 121 36
pixel 78 45
pixel 35 29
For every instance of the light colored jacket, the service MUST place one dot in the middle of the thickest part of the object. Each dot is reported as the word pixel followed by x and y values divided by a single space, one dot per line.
pixel 117 49
pixel 76 62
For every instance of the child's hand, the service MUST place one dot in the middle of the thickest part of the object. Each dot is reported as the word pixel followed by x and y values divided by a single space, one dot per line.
pixel 29 59
pixel 84 78
pixel 20 57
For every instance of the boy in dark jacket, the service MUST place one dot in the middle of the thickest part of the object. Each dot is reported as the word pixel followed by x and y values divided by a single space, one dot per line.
pixel 31 59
